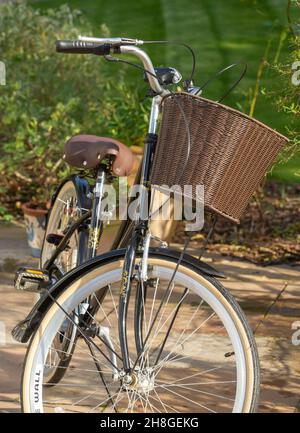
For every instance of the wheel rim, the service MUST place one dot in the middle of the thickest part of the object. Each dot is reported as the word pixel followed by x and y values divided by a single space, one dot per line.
pixel 88 287
pixel 64 210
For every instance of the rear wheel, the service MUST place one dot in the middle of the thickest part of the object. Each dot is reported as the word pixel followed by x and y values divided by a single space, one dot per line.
pixel 200 355
pixel 64 212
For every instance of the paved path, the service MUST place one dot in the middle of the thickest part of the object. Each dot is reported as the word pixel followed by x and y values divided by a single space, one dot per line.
pixel 270 297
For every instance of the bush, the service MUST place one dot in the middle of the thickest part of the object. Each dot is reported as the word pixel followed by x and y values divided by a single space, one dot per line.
pixel 50 97
pixel 287 92
pixel 287 99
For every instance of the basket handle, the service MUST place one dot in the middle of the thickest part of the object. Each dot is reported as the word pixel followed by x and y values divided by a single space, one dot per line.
pixel 231 88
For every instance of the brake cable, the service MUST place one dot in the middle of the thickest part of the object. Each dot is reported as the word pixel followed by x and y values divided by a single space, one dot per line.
pixel 217 74
pixel 127 62
pixel 187 241
pixel 112 58
pixel 188 47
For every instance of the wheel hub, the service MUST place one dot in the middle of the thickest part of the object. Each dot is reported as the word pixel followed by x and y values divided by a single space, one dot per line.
pixel 141 381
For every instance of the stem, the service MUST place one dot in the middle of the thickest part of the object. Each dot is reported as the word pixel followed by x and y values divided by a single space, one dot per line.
pixel 282 38
pixel 289 18
pixel 258 77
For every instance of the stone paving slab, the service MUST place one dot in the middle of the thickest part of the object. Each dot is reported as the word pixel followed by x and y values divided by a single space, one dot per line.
pixel 270 297
pixel 15 246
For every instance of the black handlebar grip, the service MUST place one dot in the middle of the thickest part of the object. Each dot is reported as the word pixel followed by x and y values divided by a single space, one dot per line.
pixel 82 47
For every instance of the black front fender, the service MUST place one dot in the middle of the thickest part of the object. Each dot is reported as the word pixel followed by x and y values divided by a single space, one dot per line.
pixel 23 330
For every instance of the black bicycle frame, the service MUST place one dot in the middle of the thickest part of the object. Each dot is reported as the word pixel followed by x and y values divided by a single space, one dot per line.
pixel 96 226
pixel 65 240
pixel 135 244
pixel 131 234
pixel 91 222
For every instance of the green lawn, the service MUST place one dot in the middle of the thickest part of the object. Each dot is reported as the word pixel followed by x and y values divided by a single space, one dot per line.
pixel 220 31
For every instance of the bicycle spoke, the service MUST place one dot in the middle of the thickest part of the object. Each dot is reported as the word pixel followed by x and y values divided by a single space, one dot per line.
pixel 182 368
pixel 189 400
pixel 194 390
pixel 170 326
pixel 99 369
pixel 187 338
pixel 105 401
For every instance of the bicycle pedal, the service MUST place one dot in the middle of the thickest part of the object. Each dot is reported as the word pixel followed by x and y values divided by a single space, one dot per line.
pixel 31 280
pixel 53 238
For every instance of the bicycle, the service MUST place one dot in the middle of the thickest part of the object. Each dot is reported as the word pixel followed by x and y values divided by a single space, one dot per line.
pixel 152 328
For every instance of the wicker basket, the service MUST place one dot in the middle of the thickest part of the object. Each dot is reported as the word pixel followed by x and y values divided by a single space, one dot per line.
pixel 230 152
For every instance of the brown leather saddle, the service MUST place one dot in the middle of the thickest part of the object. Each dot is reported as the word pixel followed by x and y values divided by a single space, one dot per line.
pixel 88 151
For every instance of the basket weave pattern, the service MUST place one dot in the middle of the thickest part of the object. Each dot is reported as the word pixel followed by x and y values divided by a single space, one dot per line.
pixel 230 152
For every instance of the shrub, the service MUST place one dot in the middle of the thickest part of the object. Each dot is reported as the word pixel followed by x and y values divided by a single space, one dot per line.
pixel 287 92
pixel 49 97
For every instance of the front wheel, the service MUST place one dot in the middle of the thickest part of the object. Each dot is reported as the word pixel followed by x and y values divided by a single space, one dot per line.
pixel 200 355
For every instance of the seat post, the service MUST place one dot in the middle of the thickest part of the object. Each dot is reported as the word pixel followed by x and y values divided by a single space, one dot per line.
pixel 96 219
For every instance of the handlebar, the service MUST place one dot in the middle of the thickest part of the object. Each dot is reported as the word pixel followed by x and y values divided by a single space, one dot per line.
pixel 82 47
pixel 104 46
pixel 112 41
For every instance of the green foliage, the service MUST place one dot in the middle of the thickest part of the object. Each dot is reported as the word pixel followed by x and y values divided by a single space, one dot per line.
pixel 221 32
pixel 50 97
pixel 287 91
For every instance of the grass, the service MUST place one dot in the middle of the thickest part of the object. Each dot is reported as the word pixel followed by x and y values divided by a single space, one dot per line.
pixel 220 32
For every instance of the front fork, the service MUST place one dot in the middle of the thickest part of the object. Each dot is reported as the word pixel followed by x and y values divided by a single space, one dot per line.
pixel 125 291
pixel 135 246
